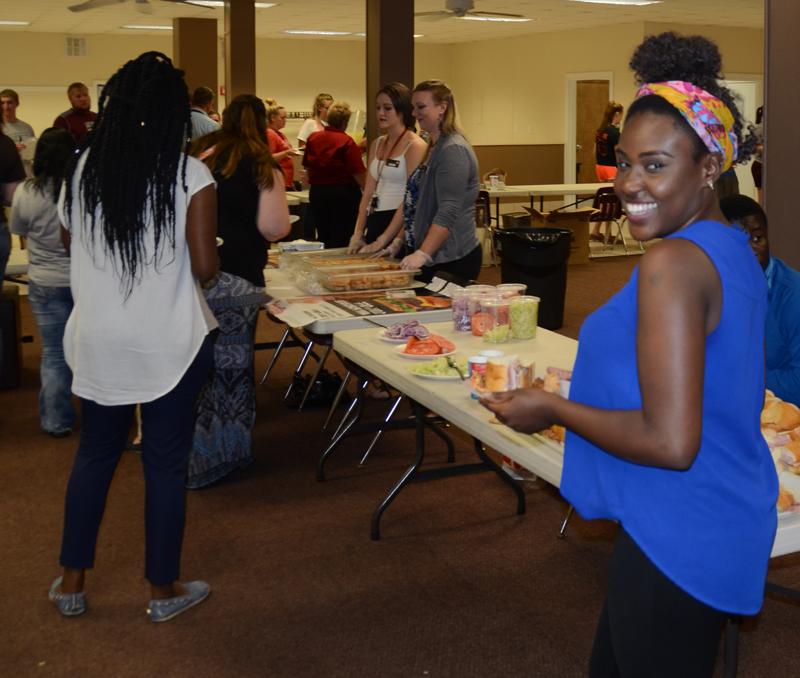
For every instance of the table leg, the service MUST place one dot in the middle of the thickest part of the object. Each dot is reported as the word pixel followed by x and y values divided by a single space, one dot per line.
pixel 563 529
pixel 350 408
pixel 314 376
pixel 379 433
pixel 340 434
pixel 299 370
pixel 275 355
pixel 451 451
pixel 337 399
pixel 419 416
pixel 487 460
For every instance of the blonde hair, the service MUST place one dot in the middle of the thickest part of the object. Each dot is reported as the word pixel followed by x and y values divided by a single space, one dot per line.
pixel 320 99
pixel 273 108
pixel 442 94
pixel 339 114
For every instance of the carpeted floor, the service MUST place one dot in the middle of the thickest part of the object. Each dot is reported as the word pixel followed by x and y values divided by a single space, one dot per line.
pixel 459 586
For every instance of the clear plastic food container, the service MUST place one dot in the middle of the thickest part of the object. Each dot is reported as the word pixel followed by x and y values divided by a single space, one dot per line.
pixel 507 290
pixel 461 313
pixel 523 314
pixel 354 279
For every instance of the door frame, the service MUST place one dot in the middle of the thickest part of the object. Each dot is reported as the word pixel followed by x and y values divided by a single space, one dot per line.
pixel 570 107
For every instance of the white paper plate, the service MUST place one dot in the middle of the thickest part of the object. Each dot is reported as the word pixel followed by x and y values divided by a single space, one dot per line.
pixel 409 356
pixel 382 336
pixel 437 377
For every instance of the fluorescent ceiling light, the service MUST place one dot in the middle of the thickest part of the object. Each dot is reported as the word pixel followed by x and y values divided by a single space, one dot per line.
pixel 304 32
pixel 635 3
pixel 220 3
pixel 15 23
pixel 364 35
pixel 152 27
pixel 499 19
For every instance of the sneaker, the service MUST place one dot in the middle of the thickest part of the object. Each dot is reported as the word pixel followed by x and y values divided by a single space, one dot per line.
pixel 164 609
pixel 68 604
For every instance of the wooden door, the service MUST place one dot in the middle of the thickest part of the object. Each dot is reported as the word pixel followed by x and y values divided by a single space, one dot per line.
pixel 590 102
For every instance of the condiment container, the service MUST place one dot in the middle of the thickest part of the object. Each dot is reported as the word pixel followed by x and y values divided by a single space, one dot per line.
pixel 507 290
pixel 523 314
pixel 461 311
pixel 476 373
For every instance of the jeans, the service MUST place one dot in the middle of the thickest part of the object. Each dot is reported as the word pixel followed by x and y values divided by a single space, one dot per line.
pixel 167 428
pixel 51 307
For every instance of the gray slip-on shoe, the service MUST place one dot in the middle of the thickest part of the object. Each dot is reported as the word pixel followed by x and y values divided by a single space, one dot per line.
pixel 69 604
pixel 164 609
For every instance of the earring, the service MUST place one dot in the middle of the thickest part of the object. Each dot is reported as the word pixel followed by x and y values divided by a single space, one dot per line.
pixel 710 184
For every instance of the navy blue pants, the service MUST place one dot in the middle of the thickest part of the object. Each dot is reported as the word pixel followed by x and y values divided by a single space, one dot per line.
pixel 167 430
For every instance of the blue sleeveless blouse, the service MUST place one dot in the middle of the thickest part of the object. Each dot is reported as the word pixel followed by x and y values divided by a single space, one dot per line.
pixel 710 528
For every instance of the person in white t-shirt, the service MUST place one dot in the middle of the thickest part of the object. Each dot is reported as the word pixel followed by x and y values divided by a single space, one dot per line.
pixel 318 120
pixel 140 217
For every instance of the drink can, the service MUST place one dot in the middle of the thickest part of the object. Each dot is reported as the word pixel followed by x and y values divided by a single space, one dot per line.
pixel 476 372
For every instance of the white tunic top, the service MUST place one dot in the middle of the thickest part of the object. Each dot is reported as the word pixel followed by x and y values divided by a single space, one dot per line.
pixel 124 351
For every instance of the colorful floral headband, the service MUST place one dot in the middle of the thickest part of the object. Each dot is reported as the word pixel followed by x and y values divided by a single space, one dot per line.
pixel 706 114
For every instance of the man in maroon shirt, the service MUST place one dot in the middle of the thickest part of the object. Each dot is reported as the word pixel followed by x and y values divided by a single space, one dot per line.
pixel 78 120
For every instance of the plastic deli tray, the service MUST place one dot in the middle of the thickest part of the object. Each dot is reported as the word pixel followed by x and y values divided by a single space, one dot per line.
pixel 291 260
pixel 353 279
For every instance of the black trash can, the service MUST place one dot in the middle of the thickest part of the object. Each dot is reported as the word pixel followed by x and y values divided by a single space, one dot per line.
pixel 537 257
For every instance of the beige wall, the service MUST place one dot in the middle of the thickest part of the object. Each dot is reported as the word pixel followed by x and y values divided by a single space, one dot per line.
pixel 507 91
pixel 742 49
pixel 513 91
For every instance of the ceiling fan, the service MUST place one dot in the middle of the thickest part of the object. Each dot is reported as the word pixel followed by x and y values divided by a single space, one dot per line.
pixel 142 6
pixel 465 8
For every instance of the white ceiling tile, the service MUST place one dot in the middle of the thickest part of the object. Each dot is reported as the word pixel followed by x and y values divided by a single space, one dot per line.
pixel 349 15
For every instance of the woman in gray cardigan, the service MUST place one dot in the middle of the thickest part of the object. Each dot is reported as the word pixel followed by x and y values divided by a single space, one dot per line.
pixel 440 196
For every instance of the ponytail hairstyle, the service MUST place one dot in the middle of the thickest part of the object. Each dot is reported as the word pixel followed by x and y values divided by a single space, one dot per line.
pixel 319 101
pixel 133 162
pixel 273 108
pixel 612 108
pixel 54 151
pixel 243 135
pixel 441 95
pixel 696 60
pixel 400 97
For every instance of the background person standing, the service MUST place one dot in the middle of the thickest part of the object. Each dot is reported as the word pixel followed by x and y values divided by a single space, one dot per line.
pixel 79 119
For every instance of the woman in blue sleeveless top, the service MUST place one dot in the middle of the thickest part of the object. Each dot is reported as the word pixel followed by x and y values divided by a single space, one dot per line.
pixel 663 421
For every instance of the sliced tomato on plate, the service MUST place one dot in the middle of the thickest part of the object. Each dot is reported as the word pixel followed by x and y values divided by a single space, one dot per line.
pixel 446 345
pixel 423 347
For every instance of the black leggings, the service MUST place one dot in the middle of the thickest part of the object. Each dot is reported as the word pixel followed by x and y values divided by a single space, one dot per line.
pixel 650 628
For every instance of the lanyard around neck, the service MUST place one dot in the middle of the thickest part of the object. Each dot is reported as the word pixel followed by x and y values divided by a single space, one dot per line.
pixel 382 163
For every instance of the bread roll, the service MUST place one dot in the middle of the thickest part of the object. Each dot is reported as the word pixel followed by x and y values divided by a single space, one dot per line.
pixel 785 499
pixel 779 415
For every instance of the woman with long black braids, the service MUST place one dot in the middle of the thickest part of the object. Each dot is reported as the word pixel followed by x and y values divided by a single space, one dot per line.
pixel 664 409
pixel 141 218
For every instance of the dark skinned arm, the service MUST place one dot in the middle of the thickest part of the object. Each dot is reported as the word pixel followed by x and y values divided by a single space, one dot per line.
pixel 679 302
pixel 201 233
